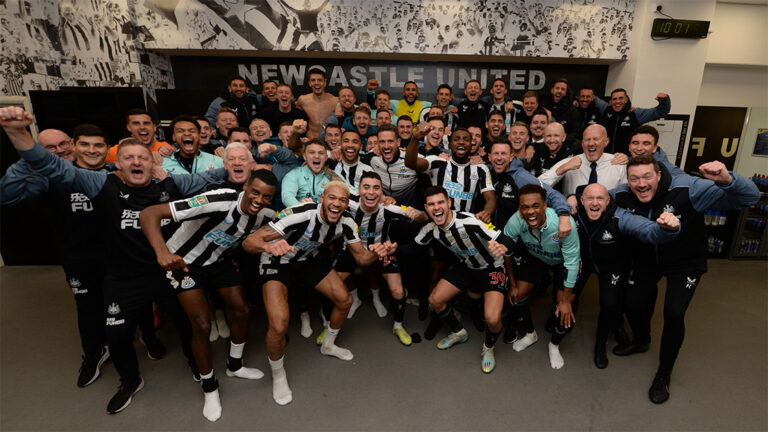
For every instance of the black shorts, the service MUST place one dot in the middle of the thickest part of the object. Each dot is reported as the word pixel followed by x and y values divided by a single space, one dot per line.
pixel 217 275
pixel 489 279
pixel 302 274
pixel 346 264
pixel 534 271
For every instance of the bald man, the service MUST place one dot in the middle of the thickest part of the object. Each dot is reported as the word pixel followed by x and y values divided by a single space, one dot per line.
pixel 606 228
pixel 20 179
pixel 58 143
pixel 592 166
pixel 551 150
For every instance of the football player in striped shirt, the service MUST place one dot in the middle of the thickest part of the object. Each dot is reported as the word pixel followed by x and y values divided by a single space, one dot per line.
pixel 295 254
pixel 350 167
pixel 374 220
pixel 198 256
pixel 481 263
pixel 463 181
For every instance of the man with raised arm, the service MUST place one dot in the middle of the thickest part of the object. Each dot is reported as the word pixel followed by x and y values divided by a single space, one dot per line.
pixel 133 277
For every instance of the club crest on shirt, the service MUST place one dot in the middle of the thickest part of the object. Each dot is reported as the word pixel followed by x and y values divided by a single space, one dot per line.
pixel 124 195
pixel 164 197
pixel 113 309
pixel 607 235
pixel 555 238
pixel 669 209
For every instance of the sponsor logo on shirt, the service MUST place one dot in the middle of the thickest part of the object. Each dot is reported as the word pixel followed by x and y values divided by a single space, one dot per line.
pixel 307 245
pixel 220 238
pixel 455 190
pixel 80 202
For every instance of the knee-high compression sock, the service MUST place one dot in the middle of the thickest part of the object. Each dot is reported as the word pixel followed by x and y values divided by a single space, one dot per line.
pixel 490 338
pixel 524 315
pixel 399 309
pixel 434 325
pixel 449 318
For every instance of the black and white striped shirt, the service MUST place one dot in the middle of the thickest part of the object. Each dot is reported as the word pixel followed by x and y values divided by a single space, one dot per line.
pixel 467 237
pixel 374 227
pixel 464 182
pixel 351 173
pixel 213 223
pixel 303 228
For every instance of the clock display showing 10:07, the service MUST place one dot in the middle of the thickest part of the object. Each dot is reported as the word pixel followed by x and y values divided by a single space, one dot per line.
pixel 672 28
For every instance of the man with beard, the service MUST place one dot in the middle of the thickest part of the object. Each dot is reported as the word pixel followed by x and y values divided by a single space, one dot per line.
pixel 350 168
pixel 294 254
pixel 133 278
pixel 345 110
pixel 409 106
pixel 444 98
pixel 319 104
pixel 620 120
pixel 471 110
pixel 499 100
pixel 404 131
pixel 189 159
pixel 142 127
pixel 374 220
pixel 463 181
pixel 399 181
pixel 495 128
pixel 243 102
pixel 560 104
pixel 479 250
pixel 590 108
pixel 198 256
pixel 283 110
pixel 650 192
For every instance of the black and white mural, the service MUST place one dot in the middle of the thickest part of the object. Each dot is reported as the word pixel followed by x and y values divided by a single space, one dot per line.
pixel 46 44
pixel 553 28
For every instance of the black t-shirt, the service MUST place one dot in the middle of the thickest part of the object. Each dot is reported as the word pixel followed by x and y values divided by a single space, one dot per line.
pixel 119 205
pixel 275 117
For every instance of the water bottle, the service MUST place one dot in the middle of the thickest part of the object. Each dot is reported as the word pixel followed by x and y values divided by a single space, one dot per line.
pixel 720 218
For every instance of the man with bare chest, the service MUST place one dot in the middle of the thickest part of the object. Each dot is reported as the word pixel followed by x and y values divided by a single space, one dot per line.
pixel 318 105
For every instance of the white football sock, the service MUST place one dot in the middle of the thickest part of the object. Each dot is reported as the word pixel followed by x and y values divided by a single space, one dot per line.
pixel 281 393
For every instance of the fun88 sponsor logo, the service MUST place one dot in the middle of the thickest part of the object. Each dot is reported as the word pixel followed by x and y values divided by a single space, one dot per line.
pixel 455 190
pixel 220 238
pixel 307 245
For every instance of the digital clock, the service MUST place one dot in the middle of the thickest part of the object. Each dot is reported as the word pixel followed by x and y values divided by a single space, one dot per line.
pixel 674 28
